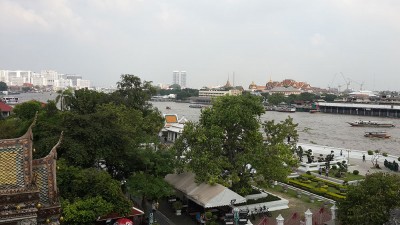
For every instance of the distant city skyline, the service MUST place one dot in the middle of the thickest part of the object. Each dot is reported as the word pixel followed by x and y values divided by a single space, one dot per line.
pixel 313 41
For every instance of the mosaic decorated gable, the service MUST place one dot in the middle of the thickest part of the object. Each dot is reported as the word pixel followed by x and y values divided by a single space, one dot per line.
pixel 45 177
pixel 28 188
pixel 16 163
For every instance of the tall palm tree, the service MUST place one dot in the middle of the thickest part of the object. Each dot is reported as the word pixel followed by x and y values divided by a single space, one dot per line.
pixel 63 98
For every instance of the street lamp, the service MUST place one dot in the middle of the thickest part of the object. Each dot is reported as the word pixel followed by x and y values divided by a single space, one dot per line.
pixel 348 156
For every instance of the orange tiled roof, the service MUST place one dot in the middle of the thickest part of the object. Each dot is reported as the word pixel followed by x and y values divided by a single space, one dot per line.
pixel 171 119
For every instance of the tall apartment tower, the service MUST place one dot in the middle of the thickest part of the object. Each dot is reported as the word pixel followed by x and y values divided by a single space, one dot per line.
pixel 183 79
pixel 175 77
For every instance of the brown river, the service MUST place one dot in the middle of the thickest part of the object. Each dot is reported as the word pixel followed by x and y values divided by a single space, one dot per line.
pixel 317 128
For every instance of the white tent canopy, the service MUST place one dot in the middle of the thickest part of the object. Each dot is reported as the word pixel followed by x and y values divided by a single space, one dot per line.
pixel 208 196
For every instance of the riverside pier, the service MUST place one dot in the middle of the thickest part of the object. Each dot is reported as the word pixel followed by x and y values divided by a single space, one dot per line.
pixel 392 111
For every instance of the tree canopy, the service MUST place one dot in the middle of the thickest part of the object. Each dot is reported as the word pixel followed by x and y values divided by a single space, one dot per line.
pixel 228 142
pixel 371 200
pixel 109 139
pixel 3 86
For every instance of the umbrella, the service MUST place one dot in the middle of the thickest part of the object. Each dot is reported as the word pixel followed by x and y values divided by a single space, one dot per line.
pixel 123 221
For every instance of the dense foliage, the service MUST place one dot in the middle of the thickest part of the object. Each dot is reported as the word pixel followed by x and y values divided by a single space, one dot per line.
pixel 228 142
pixel 371 200
pixel 3 86
pixel 181 94
pixel 109 139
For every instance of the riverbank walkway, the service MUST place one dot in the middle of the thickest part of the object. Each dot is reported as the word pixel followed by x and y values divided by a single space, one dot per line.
pixel 354 157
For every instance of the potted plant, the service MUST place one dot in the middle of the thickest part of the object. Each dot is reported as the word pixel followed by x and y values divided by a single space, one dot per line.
pixel 178 207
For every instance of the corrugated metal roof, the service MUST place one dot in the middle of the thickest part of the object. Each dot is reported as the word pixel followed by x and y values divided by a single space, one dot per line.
pixel 353 105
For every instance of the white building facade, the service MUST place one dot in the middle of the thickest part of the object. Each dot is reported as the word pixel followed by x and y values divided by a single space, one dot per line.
pixel 46 78
pixel 179 77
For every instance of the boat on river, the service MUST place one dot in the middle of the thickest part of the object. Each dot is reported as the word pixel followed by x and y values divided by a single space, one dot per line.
pixel 197 106
pixel 286 109
pixel 376 134
pixel 10 100
pixel 362 123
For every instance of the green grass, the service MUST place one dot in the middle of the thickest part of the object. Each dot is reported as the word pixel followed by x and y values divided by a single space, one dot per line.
pixel 298 205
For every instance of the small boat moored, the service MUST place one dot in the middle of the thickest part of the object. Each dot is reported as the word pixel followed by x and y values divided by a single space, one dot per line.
pixel 10 100
pixel 286 109
pixel 361 123
pixel 377 134
pixel 197 106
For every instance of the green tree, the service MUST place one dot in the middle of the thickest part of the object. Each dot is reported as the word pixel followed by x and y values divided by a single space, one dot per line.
pixel 132 92
pixel 305 96
pixel 329 97
pixel 276 98
pixel 76 183
pixel 85 211
pixel 291 98
pixel 12 128
pixel 280 149
pixel 148 186
pixel 225 140
pixel 27 110
pixel 63 98
pixel 3 86
pixel 175 86
pixel 371 200
pixel 228 142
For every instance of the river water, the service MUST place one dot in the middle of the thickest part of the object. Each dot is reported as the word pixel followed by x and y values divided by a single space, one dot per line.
pixel 317 128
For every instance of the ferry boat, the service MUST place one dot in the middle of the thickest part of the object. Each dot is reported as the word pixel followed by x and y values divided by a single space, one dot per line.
pixel 377 134
pixel 361 123
pixel 197 106
pixel 314 110
pixel 286 109
pixel 10 100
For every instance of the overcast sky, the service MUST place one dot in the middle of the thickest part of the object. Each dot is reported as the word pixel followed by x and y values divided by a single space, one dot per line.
pixel 306 40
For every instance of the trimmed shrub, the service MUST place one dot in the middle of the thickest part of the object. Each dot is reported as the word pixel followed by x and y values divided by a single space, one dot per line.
pixel 269 198
pixel 308 172
pixel 398 159
pixel 370 152
pixel 334 167
pixel 385 154
pixel 356 172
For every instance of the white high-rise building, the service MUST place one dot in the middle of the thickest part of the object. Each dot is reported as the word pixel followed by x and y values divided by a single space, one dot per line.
pixel 15 77
pixel 80 83
pixel 179 77
pixel 175 77
pixel 183 79
pixel 50 76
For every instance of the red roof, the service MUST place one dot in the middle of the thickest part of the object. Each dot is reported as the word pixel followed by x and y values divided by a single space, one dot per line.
pixel 134 212
pixel 5 108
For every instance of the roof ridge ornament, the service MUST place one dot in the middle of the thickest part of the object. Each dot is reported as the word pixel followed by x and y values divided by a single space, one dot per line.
pixel 53 151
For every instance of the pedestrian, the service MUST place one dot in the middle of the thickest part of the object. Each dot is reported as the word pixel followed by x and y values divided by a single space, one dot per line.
pixel 341 152
pixel 327 172
pixel 320 171
pixel 363 157
pixel 202 219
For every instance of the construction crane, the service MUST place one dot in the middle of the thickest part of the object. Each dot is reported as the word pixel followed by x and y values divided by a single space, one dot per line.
pixel 348 82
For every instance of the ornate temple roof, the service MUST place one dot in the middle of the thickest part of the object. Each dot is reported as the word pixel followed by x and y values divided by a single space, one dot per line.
pixel 28 188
